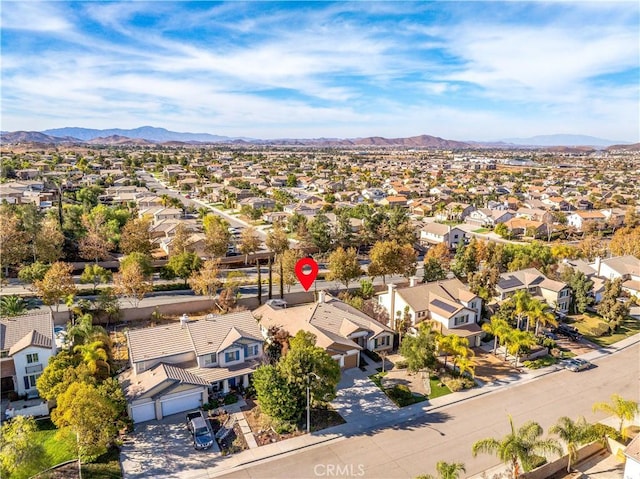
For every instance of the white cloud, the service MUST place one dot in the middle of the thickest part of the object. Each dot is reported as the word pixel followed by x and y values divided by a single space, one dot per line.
pixel 33 16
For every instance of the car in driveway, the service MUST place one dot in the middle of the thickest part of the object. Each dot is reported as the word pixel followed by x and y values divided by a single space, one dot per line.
pixel 577 364
pixel 569 331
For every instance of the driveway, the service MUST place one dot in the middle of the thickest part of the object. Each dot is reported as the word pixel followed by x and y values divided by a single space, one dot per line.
pixel 359 399
pixel 162 449
pixel 492 369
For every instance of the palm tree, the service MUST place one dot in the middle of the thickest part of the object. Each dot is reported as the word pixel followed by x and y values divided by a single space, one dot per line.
pixel 574 434
pixel 623 409
pixel 498 328
pixel 522 301
pixel 13 306
pixel 93 355
pixel 519 340
pixel 518 447
pixel 446 470
pixel 466 364
pixel 541 314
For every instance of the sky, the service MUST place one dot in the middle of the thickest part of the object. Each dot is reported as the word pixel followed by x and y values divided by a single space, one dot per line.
pixel 458 70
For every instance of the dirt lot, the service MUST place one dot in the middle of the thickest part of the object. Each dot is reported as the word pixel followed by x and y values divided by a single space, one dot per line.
pixel 490 368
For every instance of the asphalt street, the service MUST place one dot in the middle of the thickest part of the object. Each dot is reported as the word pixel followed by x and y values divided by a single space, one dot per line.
pixel 414 447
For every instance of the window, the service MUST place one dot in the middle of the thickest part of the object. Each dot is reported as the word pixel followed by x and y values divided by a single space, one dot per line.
pixel 461 320
pixel 210 359
pixel 4 353
pixel 473 305
pixel 30 381
pixel 231 356
pixel 381 342
pixel 32 358
pixel 252 350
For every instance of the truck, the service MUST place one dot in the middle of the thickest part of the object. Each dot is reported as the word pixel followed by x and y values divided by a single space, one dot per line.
pixel 200 430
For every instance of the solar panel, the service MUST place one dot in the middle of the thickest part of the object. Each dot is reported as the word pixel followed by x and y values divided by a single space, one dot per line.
pixel 444 306
pixel 509 282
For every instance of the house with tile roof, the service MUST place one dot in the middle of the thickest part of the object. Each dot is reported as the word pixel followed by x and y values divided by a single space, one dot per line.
pixel 342 330
pixel 449 304
pixel 173 366
pixel 26 344
pixel 436 233
pixel 556 293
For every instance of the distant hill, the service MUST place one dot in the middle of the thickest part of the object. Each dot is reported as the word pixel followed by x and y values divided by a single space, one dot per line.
pixel 14 137
pixel 119 140
pixel 422 141
pixel 562 140
pixel 149 133
pixel 632 147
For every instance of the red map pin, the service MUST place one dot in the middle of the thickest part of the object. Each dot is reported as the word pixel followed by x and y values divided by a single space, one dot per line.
pixel 306 279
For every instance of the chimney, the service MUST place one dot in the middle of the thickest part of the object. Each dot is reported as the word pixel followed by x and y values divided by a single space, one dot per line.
pixel 392 306
pixel 413 281
pixel 321 296
pixel 184 319
pixel 597 265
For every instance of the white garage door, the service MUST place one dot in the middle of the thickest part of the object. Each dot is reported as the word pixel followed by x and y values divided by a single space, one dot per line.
pixel 143 412
pixel 189 400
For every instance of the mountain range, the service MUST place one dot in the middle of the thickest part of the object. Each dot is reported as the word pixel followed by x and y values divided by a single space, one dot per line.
pixel 148 135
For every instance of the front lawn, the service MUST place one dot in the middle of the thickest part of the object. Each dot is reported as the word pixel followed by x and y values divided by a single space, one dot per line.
pixel 58 448
pixel 402 396
pixel 595 329
pixel 436 389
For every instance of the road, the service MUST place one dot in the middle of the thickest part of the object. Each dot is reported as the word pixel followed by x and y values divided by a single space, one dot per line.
pixel 413 447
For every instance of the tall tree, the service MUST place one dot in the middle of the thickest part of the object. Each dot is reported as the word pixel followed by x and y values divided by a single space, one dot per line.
pixel 389 257
pixel 95 274
pixel 519 447
pixel 517 341
pixel 180 241
pixel 92 416
pixel 320 230
pixel 249 242
pixel 612 310
pixel 132 283
pixel 183 265
pixel 136 236
pixel 57 284
pixel 205 281
pixel 344 266
pixel 21 453
pixel 419 350
pixel 277 242
pixel 581 288
pixel 48 242
pixel 623 409
pixel 287 266
pixel 13 241
pixel 217 235
pixel 30 223
pixel 433 270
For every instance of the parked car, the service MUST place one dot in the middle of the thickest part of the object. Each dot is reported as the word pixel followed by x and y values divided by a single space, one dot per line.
pixel 200 430
pixel 577 364
pixel 568 331
pixel 550 335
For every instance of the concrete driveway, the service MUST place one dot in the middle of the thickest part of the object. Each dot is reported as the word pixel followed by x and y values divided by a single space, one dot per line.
pixel 359 399
pixel 163 449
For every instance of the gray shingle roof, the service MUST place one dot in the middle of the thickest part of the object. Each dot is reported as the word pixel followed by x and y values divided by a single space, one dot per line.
pixel 205 336
pixel 14 330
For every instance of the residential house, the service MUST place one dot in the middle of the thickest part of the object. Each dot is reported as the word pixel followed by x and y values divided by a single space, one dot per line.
pixel 450 304
pixel 455 211
pixel 436 233
pixel 626 267
pixel 632 464
pixel 487 218
pixel 26 344
pixel 159 213
pixel 394 201
pixel 340 329
pixel 523 226
pixel 257 203
pixel 578 219
pixel 556 293
pixel 173 366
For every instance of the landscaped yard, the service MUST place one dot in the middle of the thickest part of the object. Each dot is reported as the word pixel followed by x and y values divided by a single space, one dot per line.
pixel 595 329
pixel 406 390
pixel 482 230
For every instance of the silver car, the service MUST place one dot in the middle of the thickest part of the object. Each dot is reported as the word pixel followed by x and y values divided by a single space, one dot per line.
pixel 577 364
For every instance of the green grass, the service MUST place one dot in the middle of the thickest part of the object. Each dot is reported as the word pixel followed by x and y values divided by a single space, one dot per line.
pixel 592 326
pixel 106 466
pixel 543 362
pixel 57 448
pixel 436 389
pixel 482 230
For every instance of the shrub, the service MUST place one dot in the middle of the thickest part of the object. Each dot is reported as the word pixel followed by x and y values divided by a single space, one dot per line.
pixel 373 355
pixel 458 384
pixel 400 394
pixel 230 399
pixel 402 364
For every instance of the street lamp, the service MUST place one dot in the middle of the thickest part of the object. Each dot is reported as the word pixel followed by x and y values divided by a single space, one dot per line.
pixel 309 400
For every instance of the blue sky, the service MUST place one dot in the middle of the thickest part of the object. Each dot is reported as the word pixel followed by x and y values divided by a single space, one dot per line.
pixel 466 71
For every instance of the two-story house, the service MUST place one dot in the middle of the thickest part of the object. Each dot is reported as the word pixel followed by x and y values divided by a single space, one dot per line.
pixel 342 330
pixel 449 304
pixel 26 344
pixel 626 267
pixel 436 233
pixel 174 366
pixel 556 293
